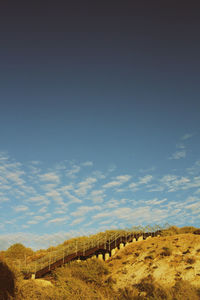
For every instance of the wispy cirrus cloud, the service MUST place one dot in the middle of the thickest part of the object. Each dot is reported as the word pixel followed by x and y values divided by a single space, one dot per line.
pixel 146 179
pixel 83 210
pixel 20 208
pixel 134 186
pixel 77 221
pixel 58 220
pixel 51 177
pixel 119 180
pixel 84 186
pixel 38 200
pixel 73 194
pixel 187 136
pixel 178 154
pixel 97 196
pixel 72 199
pixel 87 164
pixel 72 173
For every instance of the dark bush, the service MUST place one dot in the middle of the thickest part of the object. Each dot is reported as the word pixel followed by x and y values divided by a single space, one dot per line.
pixel 166 252
pixel 191 260
pixel 185 252
pixel 7 282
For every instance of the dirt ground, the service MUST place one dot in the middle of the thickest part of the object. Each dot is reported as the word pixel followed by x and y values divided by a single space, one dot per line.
pixel 167 259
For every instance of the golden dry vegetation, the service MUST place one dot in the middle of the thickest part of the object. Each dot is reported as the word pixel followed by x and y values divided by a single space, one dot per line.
pixel 165 267
pixel 166 261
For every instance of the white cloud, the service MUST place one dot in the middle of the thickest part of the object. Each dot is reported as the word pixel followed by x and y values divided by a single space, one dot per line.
pixel 43 209
pixel 119 180
pixel 142 180
pixel 83 210
pixel 195 169
pixel 49 186
pixel 141 215
pixel 32 222
pixel 133 185
pixel 175 183
pixel 98 175
pixel 180 146
pixel 112 168
pixel 15 177
pixel 168 178
pixel 97 196
pixel 60 211
pixel 156 201
pixel 55 195
pixel 187 136
pixel 3 198
pixel 87 164
pixel 71 197
pixel 72 173
pixel 77 221
pixel 40 218
pixel 156 188
pixel 112 184
pixel 39 200
pixel 30 195
pixel 35 241
pixel 197 191
pixel 3 156
pixel 84 186
pixel 123 178
pixel 112 203
pixel 58 220
pixel 178 155
pixel 66 188
pixel 20 208
pixel 50 177
pixel 145 179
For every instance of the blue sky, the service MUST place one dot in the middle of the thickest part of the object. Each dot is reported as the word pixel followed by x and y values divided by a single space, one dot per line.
pixel 99 120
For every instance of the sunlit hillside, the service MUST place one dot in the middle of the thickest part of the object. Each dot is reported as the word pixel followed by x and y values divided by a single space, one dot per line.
pixel 166 266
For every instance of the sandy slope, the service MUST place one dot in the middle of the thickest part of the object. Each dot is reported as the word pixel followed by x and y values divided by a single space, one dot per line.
pixel 140 259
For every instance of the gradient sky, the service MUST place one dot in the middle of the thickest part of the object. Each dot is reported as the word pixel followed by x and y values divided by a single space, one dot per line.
pixel 99 118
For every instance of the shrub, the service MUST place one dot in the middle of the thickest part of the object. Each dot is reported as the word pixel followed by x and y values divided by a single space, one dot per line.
pixel 187 229
pixel 148 257
pixel 167 251
pixel 185 252
pixel 18 251
pixel 89 272
pixel 191 260
pixel 172 230
pixel 189 267
pixel 117 257
pixel 128 294
pixel 184 290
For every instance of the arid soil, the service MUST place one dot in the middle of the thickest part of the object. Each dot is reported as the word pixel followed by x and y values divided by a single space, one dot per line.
pixel 167 259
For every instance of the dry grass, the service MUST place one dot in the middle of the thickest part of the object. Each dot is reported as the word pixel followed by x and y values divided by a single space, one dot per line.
pixel 165 267
pixel 147 288
pixel 162 260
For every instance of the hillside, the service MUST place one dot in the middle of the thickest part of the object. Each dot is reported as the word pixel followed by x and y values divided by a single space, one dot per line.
pixel 166 260
pixel 164 267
